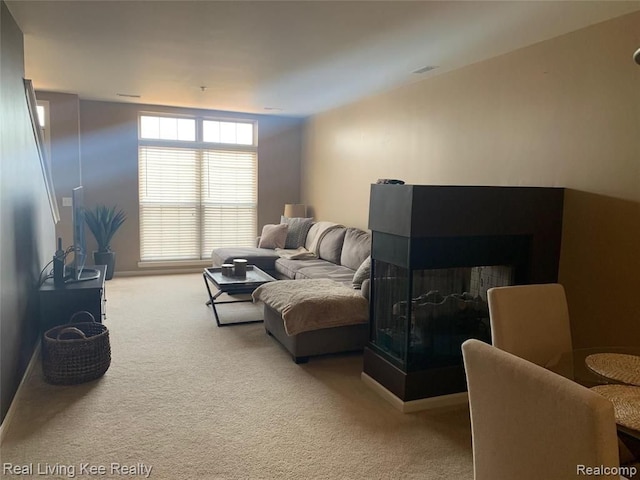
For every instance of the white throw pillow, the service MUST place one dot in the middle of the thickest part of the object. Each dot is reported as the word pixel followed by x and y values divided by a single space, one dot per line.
pixel 362 274
pixel 273 236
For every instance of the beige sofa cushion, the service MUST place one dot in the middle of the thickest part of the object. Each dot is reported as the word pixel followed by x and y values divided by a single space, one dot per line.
pixel 330 247
pixel 329 270
pixel 288 267
pixel 356 248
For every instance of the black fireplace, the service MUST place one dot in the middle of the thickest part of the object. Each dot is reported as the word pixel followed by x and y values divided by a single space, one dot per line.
pixel 436 250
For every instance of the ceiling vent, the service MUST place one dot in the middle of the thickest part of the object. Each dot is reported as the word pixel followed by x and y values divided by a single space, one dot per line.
pixel 426 69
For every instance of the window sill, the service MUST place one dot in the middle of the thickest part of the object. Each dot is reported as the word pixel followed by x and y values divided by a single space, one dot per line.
pixel 175 263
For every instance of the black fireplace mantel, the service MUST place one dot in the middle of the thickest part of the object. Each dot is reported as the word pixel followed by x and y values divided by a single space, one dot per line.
pixel 424 223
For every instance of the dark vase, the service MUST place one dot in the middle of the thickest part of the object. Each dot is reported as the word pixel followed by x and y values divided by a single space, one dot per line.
pixel 108 259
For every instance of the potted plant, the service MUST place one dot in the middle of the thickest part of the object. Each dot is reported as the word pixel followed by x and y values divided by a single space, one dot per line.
pixel 104 222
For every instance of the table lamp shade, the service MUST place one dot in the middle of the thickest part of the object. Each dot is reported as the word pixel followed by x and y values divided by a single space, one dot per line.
pixel 295 210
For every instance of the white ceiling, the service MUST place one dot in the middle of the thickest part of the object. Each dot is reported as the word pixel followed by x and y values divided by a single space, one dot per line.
pixel 292 58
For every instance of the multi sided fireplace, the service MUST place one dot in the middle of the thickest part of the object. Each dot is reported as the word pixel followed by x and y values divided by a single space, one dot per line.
pixel 436 250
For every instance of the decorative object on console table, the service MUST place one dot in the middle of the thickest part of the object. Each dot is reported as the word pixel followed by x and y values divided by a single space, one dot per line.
pixel 104 222
pixel 295 210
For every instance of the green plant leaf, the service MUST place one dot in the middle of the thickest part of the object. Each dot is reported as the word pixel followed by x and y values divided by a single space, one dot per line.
pixel 104 222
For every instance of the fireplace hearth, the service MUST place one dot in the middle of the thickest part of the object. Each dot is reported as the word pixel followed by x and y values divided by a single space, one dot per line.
pixel 436 250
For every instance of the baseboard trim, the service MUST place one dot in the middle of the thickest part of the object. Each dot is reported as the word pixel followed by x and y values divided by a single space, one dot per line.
pixel 451 400
pixel 10 413
pixel 140 273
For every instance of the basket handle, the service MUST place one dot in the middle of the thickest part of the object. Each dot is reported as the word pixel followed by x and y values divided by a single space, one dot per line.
pixel 81 312
pixel 73 330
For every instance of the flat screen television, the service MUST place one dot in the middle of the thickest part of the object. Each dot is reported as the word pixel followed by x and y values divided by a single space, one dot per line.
pixel 76 272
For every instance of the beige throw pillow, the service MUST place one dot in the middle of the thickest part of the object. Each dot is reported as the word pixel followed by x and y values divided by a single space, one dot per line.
pixel 363 273
pixel 273 236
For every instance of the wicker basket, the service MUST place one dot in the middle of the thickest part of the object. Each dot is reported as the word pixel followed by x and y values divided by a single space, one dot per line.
pixel 76 352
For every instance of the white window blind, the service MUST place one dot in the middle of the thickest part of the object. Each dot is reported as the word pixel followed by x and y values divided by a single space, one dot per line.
pixel 229 192
pixel 194 199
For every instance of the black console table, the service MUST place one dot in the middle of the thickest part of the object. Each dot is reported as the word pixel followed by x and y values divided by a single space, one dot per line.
pixel 59 302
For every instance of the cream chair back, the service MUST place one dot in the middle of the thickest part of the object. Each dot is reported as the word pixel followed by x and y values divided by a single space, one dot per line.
pixel 530 321
pixel 529 423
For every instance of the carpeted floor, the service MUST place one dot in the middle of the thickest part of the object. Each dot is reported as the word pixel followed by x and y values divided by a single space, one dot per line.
pixel 193 401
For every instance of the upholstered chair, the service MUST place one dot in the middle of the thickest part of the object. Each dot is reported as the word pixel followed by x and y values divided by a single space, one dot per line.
pixel 530 321
pixel 529 423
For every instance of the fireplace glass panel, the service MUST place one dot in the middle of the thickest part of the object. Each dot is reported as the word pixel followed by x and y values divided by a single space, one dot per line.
pixel 422 316
pixel 390 287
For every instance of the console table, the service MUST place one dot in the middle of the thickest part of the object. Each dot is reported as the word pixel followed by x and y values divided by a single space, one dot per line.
pixel 59 302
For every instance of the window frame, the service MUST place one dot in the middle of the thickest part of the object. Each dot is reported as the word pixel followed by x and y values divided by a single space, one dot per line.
pixel 199 141
pixel 200 145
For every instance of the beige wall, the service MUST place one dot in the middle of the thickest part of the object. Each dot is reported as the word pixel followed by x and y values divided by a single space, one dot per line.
pixel 565 112
pixel 109 153
pixel 95 144
pixel 64 135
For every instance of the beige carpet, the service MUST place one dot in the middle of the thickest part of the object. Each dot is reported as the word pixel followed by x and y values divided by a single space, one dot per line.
pixel 195 401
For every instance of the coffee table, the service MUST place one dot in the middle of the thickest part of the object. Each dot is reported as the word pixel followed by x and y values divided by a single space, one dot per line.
pixel 233 285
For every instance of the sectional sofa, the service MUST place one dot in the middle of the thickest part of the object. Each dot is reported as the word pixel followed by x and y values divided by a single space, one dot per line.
pixel 323 251
pixel 338 253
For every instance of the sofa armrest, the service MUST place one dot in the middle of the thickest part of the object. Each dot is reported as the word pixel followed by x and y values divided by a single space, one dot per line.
pixel 365 288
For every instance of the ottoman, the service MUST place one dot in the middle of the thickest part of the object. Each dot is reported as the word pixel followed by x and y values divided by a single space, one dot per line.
pixel 314 317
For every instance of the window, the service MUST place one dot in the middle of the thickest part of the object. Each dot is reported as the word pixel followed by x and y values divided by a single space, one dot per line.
pixel 42 119
pixel 227 132
pixel 42 107
pixel 165 128
pixel 198 186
